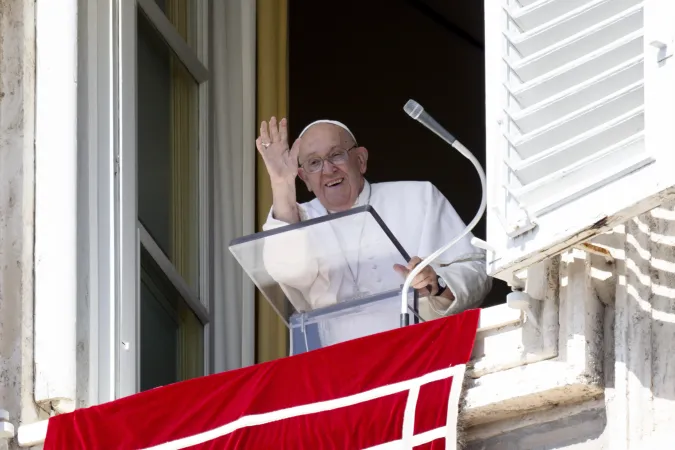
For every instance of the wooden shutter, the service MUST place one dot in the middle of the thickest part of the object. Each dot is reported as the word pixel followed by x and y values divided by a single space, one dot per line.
pixel 575 98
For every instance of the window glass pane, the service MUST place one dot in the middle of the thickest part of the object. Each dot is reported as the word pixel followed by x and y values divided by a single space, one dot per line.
pixel 172 338
pixel 168 169
pixel 182 14
pixel 159 339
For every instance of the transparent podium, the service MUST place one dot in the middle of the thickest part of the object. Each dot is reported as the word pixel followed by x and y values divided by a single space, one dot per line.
pixel 330 279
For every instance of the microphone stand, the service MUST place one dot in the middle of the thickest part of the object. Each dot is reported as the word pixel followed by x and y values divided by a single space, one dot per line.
pixel 416 111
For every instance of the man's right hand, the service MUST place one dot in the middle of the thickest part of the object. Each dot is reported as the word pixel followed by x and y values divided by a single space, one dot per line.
pixel 282 167
pixel 281 162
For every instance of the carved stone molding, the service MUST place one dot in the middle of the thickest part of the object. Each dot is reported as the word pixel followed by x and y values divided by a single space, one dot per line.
pixel 548 355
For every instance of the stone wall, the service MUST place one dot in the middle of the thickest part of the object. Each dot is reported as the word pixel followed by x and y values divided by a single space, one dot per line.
pixel 633 319
pixel 17 183
pixel 640 396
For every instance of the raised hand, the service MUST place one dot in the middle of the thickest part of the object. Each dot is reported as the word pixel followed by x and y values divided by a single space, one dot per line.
pixel 282 167
pixel 281 162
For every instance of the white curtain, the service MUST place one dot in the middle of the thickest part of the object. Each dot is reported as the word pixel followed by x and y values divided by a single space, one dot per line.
pixel 232 65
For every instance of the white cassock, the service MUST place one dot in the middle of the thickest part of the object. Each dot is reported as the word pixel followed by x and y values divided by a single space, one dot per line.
pixel 419 217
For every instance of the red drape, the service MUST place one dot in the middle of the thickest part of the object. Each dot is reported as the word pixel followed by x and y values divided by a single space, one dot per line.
pixel 222 411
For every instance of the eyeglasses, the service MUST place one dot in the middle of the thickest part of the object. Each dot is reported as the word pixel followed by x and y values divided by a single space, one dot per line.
pixel 337 157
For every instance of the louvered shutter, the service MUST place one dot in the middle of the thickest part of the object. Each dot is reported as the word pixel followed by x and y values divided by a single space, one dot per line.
pixel 576 103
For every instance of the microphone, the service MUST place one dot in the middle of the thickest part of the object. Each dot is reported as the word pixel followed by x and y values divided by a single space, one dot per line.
pixel 416 111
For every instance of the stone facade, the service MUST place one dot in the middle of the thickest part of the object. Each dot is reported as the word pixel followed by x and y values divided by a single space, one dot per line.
pixel 617 318
pixel 17 185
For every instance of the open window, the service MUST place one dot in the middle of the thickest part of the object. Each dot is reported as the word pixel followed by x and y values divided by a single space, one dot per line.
pixel 579 114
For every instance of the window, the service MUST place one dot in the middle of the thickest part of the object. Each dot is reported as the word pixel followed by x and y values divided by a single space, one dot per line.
pixel 171 335
pixel 163 196
pixel 149 169
pixel 168 152
pixel 577 101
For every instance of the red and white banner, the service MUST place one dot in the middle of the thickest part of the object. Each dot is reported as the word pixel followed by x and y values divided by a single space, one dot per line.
pixel 394 390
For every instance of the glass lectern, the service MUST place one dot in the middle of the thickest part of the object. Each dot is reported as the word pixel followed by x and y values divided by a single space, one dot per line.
pixel 330 279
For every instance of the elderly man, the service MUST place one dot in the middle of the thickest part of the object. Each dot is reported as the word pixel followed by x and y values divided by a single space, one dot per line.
pixel 328 159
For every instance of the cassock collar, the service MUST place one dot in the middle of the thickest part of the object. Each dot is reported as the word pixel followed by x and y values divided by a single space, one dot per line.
pixel 364 196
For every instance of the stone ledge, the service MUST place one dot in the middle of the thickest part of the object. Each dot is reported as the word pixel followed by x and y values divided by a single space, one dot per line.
pixel 502 343
pixel 501 362
pixel 519 390
pixel 497 317
pixel 533 418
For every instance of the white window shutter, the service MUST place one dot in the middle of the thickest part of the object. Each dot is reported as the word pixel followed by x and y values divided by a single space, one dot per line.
pixel 580 119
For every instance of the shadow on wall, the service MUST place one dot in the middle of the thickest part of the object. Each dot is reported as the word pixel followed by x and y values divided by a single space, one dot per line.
pixel 359 62
pixel 644 327
pixel 622 316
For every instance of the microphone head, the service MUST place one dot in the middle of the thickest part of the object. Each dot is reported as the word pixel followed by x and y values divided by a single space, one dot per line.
pixel 413 109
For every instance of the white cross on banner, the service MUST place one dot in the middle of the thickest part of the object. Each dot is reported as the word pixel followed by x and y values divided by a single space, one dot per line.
pixel 394 390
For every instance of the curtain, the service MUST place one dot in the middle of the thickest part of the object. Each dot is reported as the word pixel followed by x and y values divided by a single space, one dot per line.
pixel 184 169
pixel 232 67
pixel 184 188
pixel 272 100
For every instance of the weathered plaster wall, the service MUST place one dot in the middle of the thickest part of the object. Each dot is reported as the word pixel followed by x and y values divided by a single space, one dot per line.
pixel 641 398
pixel 628 323
pixel 17 101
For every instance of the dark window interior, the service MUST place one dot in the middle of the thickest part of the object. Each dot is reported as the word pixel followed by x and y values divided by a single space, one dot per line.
pixel 360 61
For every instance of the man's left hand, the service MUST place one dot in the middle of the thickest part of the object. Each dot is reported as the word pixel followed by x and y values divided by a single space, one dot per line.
pixel 426 282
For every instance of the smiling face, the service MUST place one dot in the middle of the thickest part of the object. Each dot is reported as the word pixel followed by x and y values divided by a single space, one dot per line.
pixel 336 185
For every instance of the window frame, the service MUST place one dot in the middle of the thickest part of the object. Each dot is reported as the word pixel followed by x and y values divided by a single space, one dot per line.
pixel 194 62
pixel 99 269
pixel 108 120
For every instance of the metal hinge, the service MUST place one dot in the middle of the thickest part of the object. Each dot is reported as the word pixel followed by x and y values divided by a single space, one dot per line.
pixel 520 226
pixel 665 48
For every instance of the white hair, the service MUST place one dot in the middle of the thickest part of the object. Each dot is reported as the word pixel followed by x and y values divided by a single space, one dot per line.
pixel 332 122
